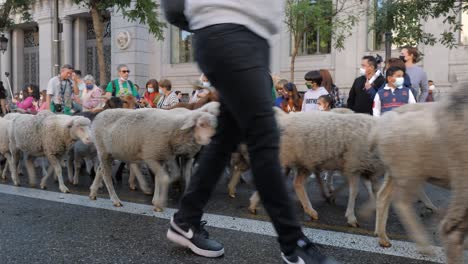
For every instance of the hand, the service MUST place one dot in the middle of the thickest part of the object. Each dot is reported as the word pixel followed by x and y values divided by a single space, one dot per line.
pixel 367 86
pixel 36 104
pixel 14 100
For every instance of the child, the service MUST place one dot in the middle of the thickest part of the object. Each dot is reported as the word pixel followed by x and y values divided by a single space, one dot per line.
pixel 325 102
pixel 394 94
pixel 313 82
pixel 43 101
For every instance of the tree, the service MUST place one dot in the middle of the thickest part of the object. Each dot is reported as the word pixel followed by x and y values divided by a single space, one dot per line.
pixel 405 19
pixel 141 11
pixel 328 16
pixel 12 7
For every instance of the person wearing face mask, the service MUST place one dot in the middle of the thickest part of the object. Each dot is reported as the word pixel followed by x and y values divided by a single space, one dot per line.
pixel 325 103
pixel 151 96
pixel 431 95
pixel 418 76
pixel 91 96
pixel 292 100
pixel 168 98
pixel 121 86
pixel 365 86
pixel 201 89
pixel 314 91
pixel 394 94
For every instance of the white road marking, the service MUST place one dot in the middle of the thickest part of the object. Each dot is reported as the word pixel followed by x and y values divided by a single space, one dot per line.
pixel 323 237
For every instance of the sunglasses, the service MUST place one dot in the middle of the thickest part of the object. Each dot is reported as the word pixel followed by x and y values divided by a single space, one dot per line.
pixel 126 71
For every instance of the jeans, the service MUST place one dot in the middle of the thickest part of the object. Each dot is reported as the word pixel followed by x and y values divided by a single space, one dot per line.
pixel 236 61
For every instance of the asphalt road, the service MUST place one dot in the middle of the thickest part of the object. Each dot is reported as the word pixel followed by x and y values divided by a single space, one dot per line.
pixel 36 230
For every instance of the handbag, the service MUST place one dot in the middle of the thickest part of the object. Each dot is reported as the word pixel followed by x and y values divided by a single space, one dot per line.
pixel 174 13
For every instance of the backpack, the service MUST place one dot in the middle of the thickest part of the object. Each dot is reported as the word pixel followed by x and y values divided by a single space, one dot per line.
pixel 114 87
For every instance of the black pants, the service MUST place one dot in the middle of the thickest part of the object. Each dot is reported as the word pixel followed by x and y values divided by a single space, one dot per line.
pixel 236 61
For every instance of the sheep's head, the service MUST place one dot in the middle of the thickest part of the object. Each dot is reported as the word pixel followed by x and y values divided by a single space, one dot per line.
pixel 79 129
pixel 204 126
pixel 211 107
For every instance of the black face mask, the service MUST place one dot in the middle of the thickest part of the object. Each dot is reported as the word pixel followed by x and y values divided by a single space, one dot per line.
pixel 403 58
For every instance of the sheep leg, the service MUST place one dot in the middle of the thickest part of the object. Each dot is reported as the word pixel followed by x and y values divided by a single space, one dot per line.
pixel 13 168
pixel 135 169
pixel 161 184
pixel 5 169
pixel 76 175
pixel 384 198
pixel 56 164
pixel 353 192
pixel 131 179
pixel 299 187
pixel 236 175
pixel 370 190
pixel 323 186
pixel 31 171
pixel 70 167
pixel 254 200
pixel 97 182
pixel 106 167
pixel 43 167
pixel 426 201
pixel 403 206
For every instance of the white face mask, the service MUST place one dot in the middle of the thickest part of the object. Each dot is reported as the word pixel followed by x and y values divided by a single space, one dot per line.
pixel 150 90
pixel 432 87
pixel 206 84
pixel 21 96
pixel 362 71
pixel 123 79
pixel 160 90
pixel 399 82
pixel 321 108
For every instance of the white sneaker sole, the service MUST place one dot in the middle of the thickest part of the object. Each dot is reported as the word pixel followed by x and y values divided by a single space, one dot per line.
pixel 180 240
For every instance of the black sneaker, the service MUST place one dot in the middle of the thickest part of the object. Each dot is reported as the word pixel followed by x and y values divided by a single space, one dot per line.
pixel 195 238
pixel 306 253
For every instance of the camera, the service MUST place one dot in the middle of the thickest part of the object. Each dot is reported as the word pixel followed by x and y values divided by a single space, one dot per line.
pixel 379 59
pixel 58 108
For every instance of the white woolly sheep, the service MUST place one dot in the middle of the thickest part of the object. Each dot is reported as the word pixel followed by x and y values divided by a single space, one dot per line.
pixel 150 135
pixel 422 144
pixel 49 135
pixel 315 141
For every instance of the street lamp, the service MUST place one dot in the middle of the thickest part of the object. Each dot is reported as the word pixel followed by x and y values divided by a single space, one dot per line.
pixel 3 43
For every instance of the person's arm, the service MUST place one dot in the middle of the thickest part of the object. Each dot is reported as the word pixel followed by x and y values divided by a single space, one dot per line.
pixel 109 90
pixel 76 90
pixel 376 108
pixel 411 99
pixel 352 96
pixel 303 103
pixel 48 100
pixel 424 87
pixel 26 103
pixel 49 92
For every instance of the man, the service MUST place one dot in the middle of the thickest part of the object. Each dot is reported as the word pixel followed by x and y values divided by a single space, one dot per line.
pixel 364 88
pixel 231 48
pixel 60 90
pixel 121 86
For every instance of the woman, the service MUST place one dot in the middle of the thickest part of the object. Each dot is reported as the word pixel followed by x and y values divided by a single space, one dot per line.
pixel 419 83
pixel 200 90
pixel 30 95
pixel 331 88
pixel 91 96
pixel 292 100
pixel 168 98
pixel 42 101
pixel 151 95
pixel 3 97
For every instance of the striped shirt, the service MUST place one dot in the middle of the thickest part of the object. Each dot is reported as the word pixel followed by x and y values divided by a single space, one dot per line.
pixel 167 101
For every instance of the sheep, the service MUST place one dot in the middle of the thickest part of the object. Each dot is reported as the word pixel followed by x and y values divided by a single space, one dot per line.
pixel 123 135
pixel 5 127
pixel 435 134
pixel 50 135
pixel 316 141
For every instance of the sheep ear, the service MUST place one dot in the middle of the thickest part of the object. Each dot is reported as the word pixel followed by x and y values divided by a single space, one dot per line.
pixel 70 123
pixel 189 123
pixel 212 108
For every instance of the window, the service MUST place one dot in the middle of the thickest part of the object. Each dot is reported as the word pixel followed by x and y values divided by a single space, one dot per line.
pixel 181 46
pixel 315 41
pixel 464 32
pixel 375 39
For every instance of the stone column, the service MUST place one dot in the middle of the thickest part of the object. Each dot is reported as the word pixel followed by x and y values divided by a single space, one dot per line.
pixel 6 62
pixel 137 55
pixel 18 59
pixel 67 40
pixel 79 41
pixel 46 63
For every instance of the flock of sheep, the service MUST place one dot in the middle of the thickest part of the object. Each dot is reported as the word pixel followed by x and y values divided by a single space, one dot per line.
pixel 408 147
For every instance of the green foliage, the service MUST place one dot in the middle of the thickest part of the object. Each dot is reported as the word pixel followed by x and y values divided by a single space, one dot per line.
pixel 334 19
pixel 10 7
pixel 405 19
pixel 142 11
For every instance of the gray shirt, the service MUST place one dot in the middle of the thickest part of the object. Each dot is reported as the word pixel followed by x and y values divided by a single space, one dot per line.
pixel 61 91
pixel 263 17
pixel 419 83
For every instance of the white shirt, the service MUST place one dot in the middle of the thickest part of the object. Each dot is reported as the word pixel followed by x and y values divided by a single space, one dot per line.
pixel 376 109
pixel 311 99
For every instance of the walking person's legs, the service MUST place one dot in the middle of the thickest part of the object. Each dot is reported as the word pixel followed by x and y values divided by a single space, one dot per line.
pixel 236 61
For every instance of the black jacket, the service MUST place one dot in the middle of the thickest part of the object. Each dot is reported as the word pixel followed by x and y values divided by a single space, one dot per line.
pixel 360 100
